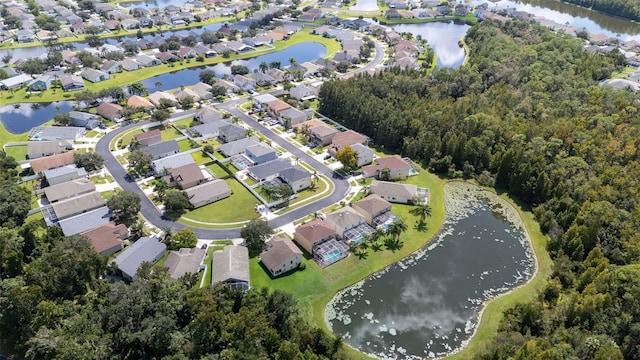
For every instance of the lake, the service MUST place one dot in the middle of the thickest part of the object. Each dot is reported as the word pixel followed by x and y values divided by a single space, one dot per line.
pixel 428 304
pixel 365 5
pixel 306 51
pixel 20 118
pixel 443 38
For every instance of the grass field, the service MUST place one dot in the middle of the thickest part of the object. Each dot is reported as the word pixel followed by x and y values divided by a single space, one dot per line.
pixel 184 145
pixel 200 157
pixel 217 170
pixel 240 206
pixel 18 152
pixel 183 124
pixel 170 133
pixel 126 138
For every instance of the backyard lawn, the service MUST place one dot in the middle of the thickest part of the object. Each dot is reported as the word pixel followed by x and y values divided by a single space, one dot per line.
pixel 217 170
pixel 240 206
pixel 170 133
pixel 18 152
pixel 200 157
pixel 183 124
pixel 184 145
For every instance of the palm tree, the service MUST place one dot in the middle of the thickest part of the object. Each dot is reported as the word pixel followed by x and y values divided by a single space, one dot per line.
pixel 263 67
pixel 269 191
pixel 385 174
pixel 293 61
pixel 158 85
pixel 422 211
pixel 396 229
pixel 275 64
pixel 376 235
pixel 167 234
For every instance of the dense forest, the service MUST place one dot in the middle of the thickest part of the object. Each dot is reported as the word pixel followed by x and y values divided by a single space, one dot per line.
pixel 628 9
pixel 55 303
pixel 526 115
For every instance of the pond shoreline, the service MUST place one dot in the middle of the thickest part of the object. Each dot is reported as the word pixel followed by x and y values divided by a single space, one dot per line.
pixel 452 189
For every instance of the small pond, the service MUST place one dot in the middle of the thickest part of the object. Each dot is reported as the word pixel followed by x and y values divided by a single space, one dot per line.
pixel 20 118
pixel 306 51
pixel 443 38
pixel 428 304
pixel 365 5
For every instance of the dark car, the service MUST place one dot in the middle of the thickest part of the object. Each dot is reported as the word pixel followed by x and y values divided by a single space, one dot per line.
pixel 327 157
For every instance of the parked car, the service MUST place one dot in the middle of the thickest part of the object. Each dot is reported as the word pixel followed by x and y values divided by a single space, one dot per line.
pixel 327 157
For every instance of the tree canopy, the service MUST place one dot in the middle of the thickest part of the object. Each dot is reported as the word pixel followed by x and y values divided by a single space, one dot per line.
pixel 124 206
pixel 255 233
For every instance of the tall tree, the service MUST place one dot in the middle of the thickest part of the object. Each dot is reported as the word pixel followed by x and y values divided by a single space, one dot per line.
pixel 124 206
pixel 255 233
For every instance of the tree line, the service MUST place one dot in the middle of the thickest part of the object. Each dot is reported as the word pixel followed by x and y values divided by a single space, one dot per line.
pixel 526 115
pixel 628 9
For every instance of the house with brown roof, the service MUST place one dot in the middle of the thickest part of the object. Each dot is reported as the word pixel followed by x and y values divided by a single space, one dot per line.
pixel 149 137
pixel 395 192
pixel 139 102
pixel 185 261
pixel 107 239
pixel 349 137
pixel 281 256
pixel 109 111
pixel 51 162
pixel 208 193
pixel 275 108
pixel 185 176
pixel 372 207
pixel 322 134
pixel 312 234
pixel 397 168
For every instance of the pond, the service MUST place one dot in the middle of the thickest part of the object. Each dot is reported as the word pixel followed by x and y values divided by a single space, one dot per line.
pixel 365 5
pixel 20 118
pixel 428 304
pixel 443 38
pixel 306 51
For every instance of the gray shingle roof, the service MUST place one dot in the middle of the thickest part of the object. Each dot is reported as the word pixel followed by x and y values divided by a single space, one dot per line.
pixel 145 249
pixel 230 264
pixel 78 204
pixel 270 168
pixel 162 149
pixel 294 173
pixel 184 261
pixel 238 146
pixel 68 189
pixel 173 161
pixel 83 222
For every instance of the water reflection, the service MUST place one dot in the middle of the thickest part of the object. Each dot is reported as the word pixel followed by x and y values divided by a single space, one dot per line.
pixel 443 37
pixel 365 5
pixel 20 118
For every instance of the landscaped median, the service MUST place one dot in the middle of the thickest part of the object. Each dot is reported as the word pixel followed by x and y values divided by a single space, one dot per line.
pixel 129 77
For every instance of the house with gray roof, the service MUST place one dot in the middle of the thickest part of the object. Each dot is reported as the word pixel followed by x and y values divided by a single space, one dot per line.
pixel 395 192
pixel 207 114
pixel 231 266
pixel 38 149
pixel 94 75
pixel 163 149
pixel 208 193
pixel 146 249
pixel 63 174
pixel 260 153
pixel 269 170
pixel 292 116
pixel 159 97
pixel 203 91
pixel 296 177
pixel 263 99
pixel 72 83
pixel 281 256
pixel 185 261
pixel 231 132
pixel 160 166
pixel 69 189
pixel 364 155
pixel 15 82
pixel 207 130
pixel 147 61
pixel 237 147
pixel 52 133
pixel 78 205
pixel 83 119
pixel 82 222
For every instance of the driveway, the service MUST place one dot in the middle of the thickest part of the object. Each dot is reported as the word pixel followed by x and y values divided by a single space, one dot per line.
pixel 153 215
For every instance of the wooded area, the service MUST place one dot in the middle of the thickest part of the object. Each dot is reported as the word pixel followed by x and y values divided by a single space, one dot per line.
pixel 527 116
pixel 628 9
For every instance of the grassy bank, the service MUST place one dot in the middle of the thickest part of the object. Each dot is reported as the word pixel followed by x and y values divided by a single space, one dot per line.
pixel 129 77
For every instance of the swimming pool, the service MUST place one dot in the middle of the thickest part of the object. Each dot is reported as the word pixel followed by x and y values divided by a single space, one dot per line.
pixel 412 171
pixel 332 256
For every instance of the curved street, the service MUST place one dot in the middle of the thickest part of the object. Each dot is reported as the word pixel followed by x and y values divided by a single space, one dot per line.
pixel 155 217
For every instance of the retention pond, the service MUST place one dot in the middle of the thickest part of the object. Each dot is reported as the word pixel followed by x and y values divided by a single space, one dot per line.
pixel 429 304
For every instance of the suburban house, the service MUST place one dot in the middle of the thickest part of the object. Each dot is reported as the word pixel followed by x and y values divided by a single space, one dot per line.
pixel 85 120
pixel 318 238
pixel 364 155
pixel 166 57
pixel 203 91
pixel 86 221
pixel 147 61
pixel 78 205
pixel 261 101
pixel 186 52
pixel 94 75
pixel 146 249
pixel 185 261
pixel 72 83
pixel 244 82
pixel 231 132
pixel 281 255
pixel 302 93
pixel 38 149
pixel 292 116
pixel 159 97
pixel 186 176
pixel 63 174
pixel 322 134
pixel 348 137
pixel 237 147
pixel 147 138
pixel 260 153
pixel 162 150
pixel 68 189
pixel 181 94
pixel 231 266
pixel 207 114
pixel 51 162
pixel 344 219
pixel 51 133
pixel 15 82
pixel 136 101
pixel 395 192
pixel 269 170
pixel 40 84
pixel 376 210
pixel 296 177
pixel 207 130
pixel 276 107
pixel 397 168
pixel 162 166
pixel 25 36
pixel 109 111
pixel 208 193
pixel 111 67
pixel 107 239
pixel 130 65
pixel 262 79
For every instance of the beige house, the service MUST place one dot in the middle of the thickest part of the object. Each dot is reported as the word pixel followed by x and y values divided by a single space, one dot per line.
pixel 397 167
pixel 313 233
pixel 372 206
pixel 281 256
pixel 394 192
pixel 344 219
pixel 208 192
pixel 185 176
pixel 323 134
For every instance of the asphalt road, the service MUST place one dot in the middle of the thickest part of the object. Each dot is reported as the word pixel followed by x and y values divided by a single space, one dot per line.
pixel 153 215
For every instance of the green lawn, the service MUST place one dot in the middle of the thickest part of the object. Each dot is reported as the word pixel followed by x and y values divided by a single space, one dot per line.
pixel 107 194
pixel 17 152
pixel 183 124
pixel 240 206
pixel 217 170
pixel 200 157
pixel 184 145
pixel 170 133
pixel 126 138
